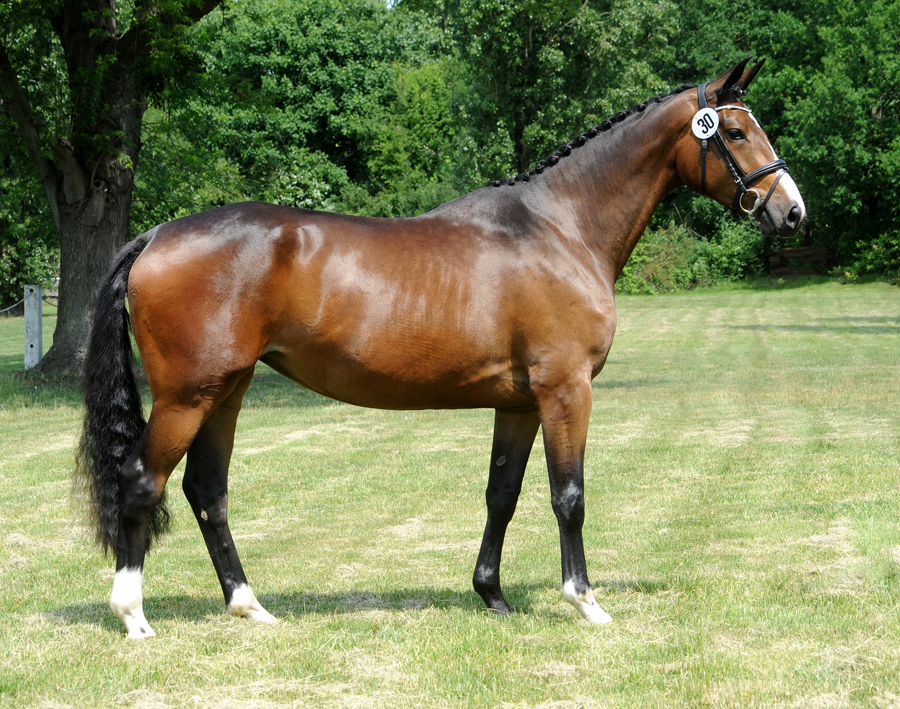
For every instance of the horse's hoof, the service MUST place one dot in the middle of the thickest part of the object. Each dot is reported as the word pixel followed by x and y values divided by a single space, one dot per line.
pixel 585 604
pixel 139 631
pixel 503 608
pixel 244 604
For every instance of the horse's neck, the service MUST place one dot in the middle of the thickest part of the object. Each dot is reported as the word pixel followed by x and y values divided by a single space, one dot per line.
pixel 616 181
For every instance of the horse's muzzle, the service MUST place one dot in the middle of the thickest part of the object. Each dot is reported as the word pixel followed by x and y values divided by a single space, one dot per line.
pixel 773 222
pixel 785 212
pixel 794 218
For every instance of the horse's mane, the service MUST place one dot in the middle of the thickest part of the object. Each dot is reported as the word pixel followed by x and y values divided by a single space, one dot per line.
pixel 566 149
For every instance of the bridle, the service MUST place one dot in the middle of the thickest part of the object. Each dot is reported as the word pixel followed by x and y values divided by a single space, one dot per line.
pixel 741 179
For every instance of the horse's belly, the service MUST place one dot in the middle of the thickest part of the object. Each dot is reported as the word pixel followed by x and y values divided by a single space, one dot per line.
pixel 404 380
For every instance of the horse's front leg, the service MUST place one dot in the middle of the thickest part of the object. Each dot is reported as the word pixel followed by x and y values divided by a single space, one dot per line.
pixel 564 413
pixel 514 434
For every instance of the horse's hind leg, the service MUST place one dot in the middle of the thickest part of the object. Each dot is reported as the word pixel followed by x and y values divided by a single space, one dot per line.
pixel 142 480
pixel 206 488
pixel 514 434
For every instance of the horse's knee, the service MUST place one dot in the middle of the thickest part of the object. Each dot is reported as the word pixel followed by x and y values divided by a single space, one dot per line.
pixel 568 506
pixel 501 502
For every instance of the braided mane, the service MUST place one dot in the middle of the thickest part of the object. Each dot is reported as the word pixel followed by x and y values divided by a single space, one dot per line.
pixel 592 132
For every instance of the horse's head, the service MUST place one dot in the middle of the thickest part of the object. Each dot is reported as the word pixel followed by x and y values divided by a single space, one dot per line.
pixel 726 155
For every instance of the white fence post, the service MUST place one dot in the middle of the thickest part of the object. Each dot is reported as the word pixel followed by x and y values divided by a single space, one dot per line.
pixel 34 331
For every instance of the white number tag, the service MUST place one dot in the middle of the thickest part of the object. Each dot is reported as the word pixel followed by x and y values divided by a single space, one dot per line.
pixel 705 122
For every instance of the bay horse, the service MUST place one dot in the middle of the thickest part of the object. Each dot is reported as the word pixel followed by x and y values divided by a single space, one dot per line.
pixel 502 298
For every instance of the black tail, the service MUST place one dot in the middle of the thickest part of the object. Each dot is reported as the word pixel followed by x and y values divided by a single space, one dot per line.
pixel 114 420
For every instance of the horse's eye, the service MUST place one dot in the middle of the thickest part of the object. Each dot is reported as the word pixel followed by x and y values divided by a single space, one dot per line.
pixel 736 134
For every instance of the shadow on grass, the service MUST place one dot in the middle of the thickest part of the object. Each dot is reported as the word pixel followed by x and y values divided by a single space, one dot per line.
pixel 295 605
pixel 271 390
pixel 12 363
pixel 268 390
pixel 876 325
pixel 637 383
pixel 768 283
pixel 648 587
pixel 28 389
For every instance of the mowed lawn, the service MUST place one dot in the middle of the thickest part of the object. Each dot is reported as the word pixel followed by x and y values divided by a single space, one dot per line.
pixel 743 529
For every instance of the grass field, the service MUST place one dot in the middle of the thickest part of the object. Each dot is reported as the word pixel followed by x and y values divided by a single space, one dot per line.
pixel 743 530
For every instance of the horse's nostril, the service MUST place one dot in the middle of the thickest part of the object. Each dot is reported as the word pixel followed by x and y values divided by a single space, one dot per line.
pixel 793 216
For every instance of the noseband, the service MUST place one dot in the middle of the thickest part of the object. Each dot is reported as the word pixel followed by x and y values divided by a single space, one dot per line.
pixel 741 179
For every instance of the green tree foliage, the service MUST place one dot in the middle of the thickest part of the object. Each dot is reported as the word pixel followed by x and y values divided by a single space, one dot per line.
pixel 29 248
pixel 538 72
pixel 310 99
pixel 412 145
pixel 673 257
pixel 29 251
pixel 843 130
pixel 181 173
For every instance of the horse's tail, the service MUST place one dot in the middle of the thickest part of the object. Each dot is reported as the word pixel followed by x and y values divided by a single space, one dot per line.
pixel 114 420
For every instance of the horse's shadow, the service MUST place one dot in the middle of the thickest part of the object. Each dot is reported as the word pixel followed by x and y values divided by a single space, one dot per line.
pixel 292 605
pixel 852 325
pixel 210 609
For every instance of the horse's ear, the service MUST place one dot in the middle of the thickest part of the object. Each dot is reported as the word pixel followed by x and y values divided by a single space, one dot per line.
pixel 724 85
pixel 748 76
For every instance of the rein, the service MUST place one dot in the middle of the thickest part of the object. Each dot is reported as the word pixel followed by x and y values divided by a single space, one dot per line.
pixel 741 179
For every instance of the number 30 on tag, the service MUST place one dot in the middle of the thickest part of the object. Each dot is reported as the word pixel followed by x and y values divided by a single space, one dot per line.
pixel 705 122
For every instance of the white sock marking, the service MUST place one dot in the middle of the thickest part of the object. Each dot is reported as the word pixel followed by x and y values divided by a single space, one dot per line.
pixel 585 604
pixel 244 603
pixel 127 602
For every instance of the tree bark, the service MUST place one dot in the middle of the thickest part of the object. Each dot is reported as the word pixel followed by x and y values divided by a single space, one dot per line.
pixel 91 231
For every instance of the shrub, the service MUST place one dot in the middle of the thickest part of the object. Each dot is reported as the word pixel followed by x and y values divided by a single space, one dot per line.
pixel 674 258
pixel 881 255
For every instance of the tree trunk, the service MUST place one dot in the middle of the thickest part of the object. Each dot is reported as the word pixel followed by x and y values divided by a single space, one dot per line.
pixel 93 194
pixel 91 231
